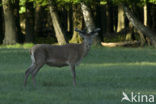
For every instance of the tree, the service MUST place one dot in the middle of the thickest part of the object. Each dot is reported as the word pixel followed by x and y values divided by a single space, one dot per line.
pixel 140 27
pixel 20 37
pixel 145 13
pixel 29 22
pixel 38 20
pixel 70 17
pixel 121 19
pixel 77 23
pixel 102 20
pixel 56 24
pixel 1 25
pixel 10 26
pixel 89 21
pixel 109 17
pixel 153 17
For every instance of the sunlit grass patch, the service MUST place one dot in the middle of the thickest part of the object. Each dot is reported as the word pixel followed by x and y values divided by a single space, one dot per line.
pixel 25 45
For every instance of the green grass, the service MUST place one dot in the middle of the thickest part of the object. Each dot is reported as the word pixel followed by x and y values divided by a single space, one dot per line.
pixel 101 77
pixel 25 45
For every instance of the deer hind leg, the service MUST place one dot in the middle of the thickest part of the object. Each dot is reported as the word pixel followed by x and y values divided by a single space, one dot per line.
pixel 30 69
pixel 74 74
pixel 34 73
pixel 28 72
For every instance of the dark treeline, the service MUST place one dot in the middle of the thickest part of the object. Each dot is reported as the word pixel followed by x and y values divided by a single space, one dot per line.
pixel 42 21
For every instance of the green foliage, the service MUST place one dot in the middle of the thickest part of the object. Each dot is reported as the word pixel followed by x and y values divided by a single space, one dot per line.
pixel 61 3
pixel 36 2
pixel 103 2
pixel 152 1
pixel 22 6
pixel 41 2
pixel 22 9
pixel 102 76
pixel 129 2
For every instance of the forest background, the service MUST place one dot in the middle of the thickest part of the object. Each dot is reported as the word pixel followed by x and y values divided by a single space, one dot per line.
pixel 43 21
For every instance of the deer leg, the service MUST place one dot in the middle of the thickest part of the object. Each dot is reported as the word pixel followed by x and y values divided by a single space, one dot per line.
pixel 35 72
pixel 27 73
pixel 74 74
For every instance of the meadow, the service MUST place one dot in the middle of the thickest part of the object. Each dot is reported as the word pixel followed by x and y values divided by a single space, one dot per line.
pixel 102 76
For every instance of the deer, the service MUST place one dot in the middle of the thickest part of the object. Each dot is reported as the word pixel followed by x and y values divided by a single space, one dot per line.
pixel 60 55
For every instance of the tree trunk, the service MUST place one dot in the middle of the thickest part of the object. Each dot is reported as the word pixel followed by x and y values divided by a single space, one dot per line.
pixel 145 14
pixel 142 38
pixel 57 26
pixel 89 21
pixel 99 20
pixel 109 16
pixel 103 20
pixel 77 23
pixel 20 37
pixel 121 44
pixel 29 22
pixel 87 18
pixel 129 35
pixel 140 27
pixel 10 26
pixel 69 19
pixel 121 19
pixel 38 20
pixel 153 16
pixel 1 24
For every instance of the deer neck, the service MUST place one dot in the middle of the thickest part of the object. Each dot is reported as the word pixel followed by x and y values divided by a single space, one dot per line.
pixel 86 47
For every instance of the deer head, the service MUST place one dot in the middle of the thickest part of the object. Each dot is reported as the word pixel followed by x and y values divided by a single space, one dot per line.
pixel 88 36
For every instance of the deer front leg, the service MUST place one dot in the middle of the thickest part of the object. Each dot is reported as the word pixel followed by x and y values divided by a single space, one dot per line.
pixel 73 74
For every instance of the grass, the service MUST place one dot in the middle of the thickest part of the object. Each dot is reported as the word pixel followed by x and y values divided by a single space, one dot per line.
pixel 102 77
pixel 25 45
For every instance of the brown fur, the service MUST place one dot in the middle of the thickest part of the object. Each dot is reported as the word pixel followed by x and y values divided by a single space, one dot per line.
pixel 58 56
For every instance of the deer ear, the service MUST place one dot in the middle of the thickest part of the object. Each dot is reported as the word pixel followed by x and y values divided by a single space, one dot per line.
pixel 77 30
pixel 97 30
pixel 81 33
pixel 94 32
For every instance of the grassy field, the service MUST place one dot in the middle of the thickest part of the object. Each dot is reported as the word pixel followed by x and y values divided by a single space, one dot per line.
pixel 102 77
